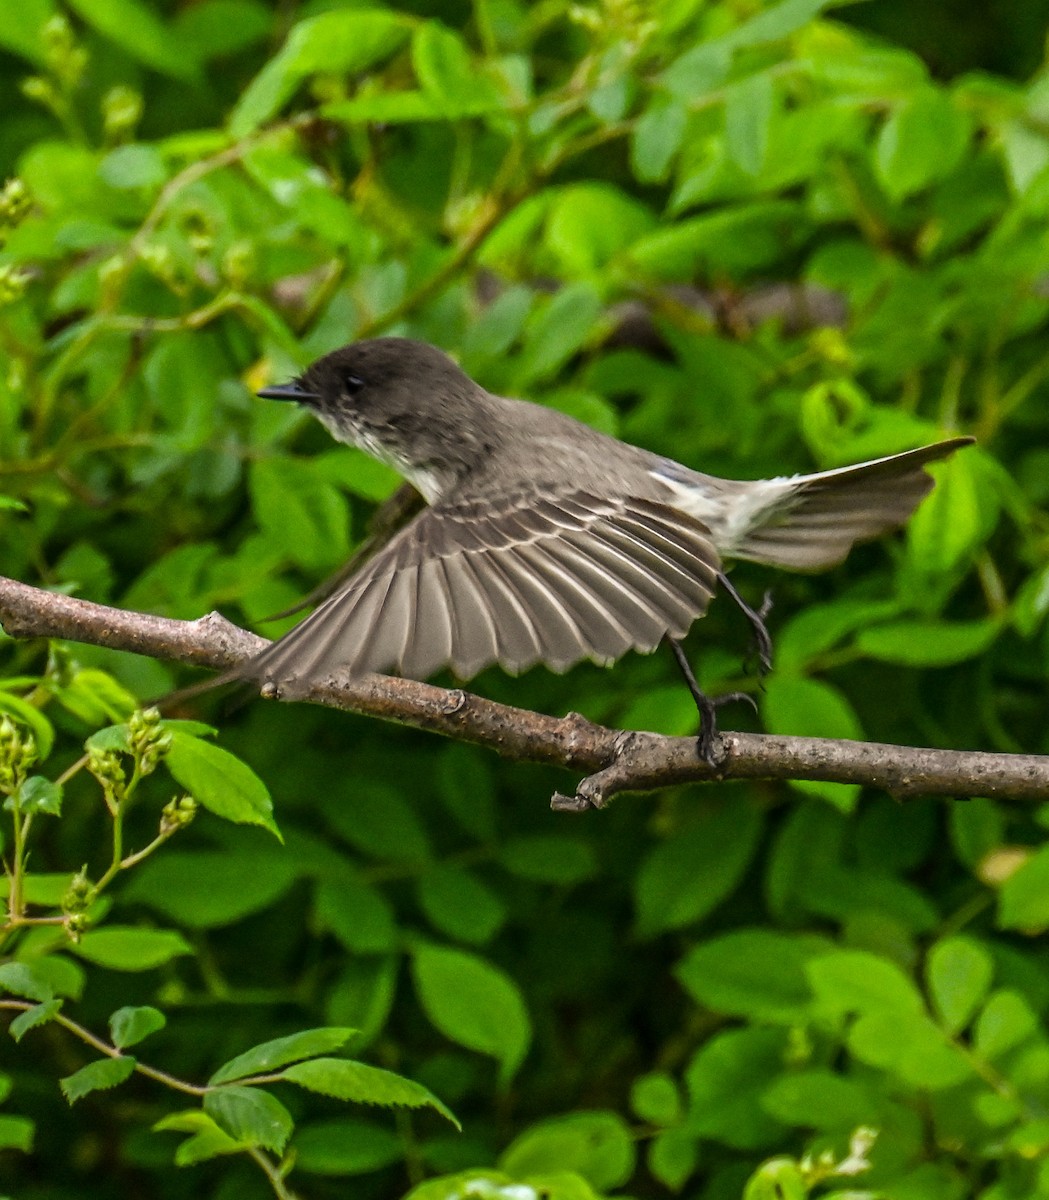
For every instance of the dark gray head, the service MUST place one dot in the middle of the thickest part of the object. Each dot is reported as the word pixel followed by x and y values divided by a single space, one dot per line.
pixel 403 401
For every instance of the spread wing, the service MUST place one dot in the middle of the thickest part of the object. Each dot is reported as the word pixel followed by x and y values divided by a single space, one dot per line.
pixel 551 580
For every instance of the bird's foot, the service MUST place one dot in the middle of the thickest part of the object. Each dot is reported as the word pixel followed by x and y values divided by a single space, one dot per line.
pixel 707 705
pixel 761 644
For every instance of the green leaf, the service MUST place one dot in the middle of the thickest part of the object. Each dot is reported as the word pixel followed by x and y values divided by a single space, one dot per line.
pixel 30 1018
pixel 726 1081
pixel 909 1045
pixel 111 737
pixel 222 783
pixel 131 949
pixel 208 1139
pixel 457 903
pixel 23 979
pixel 133 166
pixel 597 1145
pixel 250 1116
pixel 102 1075
pixel 299 512
pixel 589 224
pixel 136 30
pixel 346 41
pixel 657 137
pixel 1026 153
pixel 345 1147
pixel 357 913
pixel 267 1056
pixel 16 1133
pixel 819 1099
pixel 1023 901
pixel 928 643
pixel 672 1157
pixel 40 795
pixel 748 115
pixel 380 821
pixel 947 528
pixel 22 29
pixel 130 1025
pixel 777 1179
pixel 848 981
pixel 354 1081
pixel 689 875
pixel 1007 1021
pixel 655 1098
pixel 448 75
pixel 548 858
pixel 922 141
pixel 754 973
pixel 210 888
pixel 474 1003
pixel 959 972
pixel 556 330
pixel 31 716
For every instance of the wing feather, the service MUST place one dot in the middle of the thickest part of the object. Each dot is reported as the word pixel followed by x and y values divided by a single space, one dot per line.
pixel 551 579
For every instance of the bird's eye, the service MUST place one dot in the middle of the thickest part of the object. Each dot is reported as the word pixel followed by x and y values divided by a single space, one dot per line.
pixel 352 383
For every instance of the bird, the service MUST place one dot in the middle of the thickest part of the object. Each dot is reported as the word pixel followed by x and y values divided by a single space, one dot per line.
pixel 542 540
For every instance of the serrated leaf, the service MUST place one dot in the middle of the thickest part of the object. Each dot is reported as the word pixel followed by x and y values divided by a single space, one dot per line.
pixel 207 1140
pixel 30 1018
pixel 97 1076
pixel 220 781
pixel 16 1133
pixel 251 1116
pixel 112 737
pixel 344 1079
pixel 130 1025
pixel 267 1056
pixel 21 979
pixel 40 795
pixel 474 1003
pixel 126 948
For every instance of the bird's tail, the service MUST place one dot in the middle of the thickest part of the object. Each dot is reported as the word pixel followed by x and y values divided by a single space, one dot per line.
pixel 814 520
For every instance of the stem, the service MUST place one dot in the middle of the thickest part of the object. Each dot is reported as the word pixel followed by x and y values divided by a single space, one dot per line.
pixel 96 1043
pixel 273 1173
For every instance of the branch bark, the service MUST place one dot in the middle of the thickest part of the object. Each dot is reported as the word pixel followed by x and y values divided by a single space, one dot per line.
pixel 616 761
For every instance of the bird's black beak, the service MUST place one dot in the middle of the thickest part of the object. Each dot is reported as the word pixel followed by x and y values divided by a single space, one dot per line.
pixel 289 391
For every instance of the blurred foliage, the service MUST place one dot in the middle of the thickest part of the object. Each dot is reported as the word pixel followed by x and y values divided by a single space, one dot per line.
pixel 747 236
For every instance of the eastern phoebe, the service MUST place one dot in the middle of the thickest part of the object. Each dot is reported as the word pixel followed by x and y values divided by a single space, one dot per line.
pixel 544 540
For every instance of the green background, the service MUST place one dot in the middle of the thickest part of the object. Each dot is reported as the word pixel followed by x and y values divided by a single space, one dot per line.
pixel 758 238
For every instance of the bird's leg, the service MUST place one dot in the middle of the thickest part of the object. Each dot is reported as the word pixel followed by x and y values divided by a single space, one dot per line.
pixel 762 639
pixel 708 706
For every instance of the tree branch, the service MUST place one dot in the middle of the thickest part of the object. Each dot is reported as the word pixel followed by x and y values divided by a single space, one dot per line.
pixel 616 761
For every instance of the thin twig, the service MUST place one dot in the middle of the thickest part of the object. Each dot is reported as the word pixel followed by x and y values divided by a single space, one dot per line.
pixel 617 761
